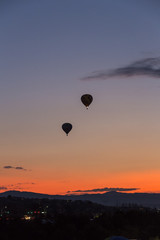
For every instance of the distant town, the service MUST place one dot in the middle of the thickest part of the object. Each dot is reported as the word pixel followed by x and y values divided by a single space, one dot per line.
pixel 24 218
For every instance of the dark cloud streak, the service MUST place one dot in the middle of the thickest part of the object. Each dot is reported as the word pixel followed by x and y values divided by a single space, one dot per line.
pixel 104 190
pixel 8 167
pixel 146 67
pixel 3 188
pixel 17 186
pixel 20 168
pixel 17 168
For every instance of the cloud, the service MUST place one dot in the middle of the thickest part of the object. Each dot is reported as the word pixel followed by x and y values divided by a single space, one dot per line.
pixel 7 167
pixel 17 186
pixel 20 168
pixel 97 190
pixel 26 183
pixel 17 168
pixel 3 188
pixel 145 67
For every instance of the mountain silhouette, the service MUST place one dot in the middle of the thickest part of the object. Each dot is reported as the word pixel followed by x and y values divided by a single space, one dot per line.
pixel 112 198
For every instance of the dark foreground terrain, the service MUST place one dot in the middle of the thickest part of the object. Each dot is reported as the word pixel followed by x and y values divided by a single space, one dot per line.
pixel 46 219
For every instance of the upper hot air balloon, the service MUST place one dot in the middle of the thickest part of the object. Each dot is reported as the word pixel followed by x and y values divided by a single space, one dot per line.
pixel 67 127
pixel 86 99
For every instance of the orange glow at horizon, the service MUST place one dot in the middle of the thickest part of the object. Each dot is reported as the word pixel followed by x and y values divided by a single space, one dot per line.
pixel 143 181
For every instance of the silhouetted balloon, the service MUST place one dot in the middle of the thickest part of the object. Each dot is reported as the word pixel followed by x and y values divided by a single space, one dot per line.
pixel 67 127
pixel 87 99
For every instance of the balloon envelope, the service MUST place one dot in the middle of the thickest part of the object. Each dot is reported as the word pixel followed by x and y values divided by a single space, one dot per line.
pixel 86 99
pixel 67 127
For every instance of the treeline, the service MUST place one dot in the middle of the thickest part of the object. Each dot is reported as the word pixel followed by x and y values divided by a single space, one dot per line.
pixel 77 220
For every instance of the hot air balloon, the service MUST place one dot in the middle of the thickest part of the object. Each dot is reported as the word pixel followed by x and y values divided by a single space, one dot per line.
pixel 87 99
pixel 67 127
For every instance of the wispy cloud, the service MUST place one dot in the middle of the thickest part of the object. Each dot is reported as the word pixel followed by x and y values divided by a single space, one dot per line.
pixel 3 188
pixel 145 67
pixel 26 183
pixel 17 186
pixel 20 168
pixel 97 190
pixel 7 167
pixel 17 168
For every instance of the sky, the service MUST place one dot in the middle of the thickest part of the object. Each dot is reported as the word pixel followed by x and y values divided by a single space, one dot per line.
pixel 53 52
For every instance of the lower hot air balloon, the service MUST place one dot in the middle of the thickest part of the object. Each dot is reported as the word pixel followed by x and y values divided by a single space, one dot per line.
pixel 67 127
pixel 86 99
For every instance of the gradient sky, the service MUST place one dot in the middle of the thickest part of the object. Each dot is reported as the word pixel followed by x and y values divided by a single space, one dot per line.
pixel 46 48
